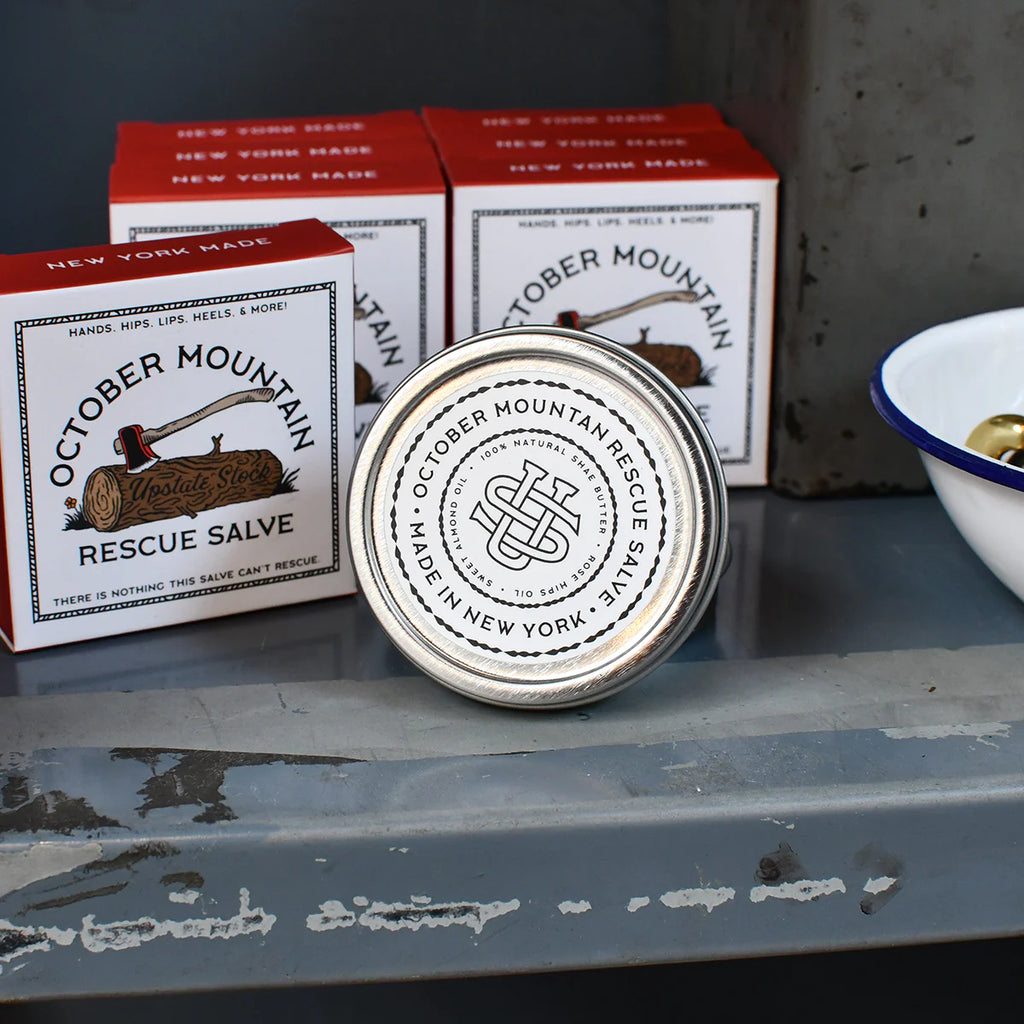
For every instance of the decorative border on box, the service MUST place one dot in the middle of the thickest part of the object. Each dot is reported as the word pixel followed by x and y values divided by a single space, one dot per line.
pixel 682 208
pixel 141 233
pixel 335 566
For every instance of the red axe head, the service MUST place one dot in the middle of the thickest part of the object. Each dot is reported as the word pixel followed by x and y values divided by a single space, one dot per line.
pixel 138 456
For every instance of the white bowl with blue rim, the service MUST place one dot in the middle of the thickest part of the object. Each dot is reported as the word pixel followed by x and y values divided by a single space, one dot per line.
pixel 936 388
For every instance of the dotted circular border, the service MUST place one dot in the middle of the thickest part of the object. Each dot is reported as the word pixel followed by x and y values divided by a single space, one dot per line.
pixel 394 516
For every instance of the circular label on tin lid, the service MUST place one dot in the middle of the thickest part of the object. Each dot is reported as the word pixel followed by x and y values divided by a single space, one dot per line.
pixel 529 518
pixel 537 517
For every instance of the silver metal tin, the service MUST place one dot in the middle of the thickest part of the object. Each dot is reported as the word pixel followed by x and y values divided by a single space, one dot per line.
pixel 537 517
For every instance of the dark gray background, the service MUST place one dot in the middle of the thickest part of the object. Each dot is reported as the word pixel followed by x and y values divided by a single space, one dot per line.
pixel 71 69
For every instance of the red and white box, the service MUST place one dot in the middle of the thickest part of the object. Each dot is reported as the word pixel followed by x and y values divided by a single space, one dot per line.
pixel 393 134
pixel 345 127
pixel 392 209
pixel 669 250
pixel 206 154
pixel 550 142
pixel 443 122
pixel 175 420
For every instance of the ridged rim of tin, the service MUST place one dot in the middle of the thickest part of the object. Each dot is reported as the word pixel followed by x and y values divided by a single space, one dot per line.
pixel 695 466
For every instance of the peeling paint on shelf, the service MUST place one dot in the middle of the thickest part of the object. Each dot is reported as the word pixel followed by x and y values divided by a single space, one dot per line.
pixel 118 935
pixel 638 903
pixel 574 906
pixel 877 885
pixel 706 898
pixel 409 916
pixel 19 940
pixel 196 777
pixel 53 811
pixel 58 902
pixel 979 731
pixel 19 868
pixel 188 896
pixel 879 892
pixel 804 891
pixel 333 914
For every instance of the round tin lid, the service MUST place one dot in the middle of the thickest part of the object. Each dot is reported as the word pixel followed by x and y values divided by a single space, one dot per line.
pixel 537 517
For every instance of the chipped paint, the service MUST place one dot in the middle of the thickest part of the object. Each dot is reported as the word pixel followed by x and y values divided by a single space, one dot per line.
pixel 74 897
pixel 638 903
pixel 880 890
pixel 399 916
pixel 574 906
pixel 706 898
pixel 196 777
pixel 684 766
pixel 43 860
pixel 877 885
pixel 803 891
pixel 333 914
pixel 784 824
pixel 53 811
pixel 118 935
pixel 19 940
pixel 188 896
pixel 409 916
pixel 979 731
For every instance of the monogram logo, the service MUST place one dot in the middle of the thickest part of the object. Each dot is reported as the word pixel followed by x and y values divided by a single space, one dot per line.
pixel 521 520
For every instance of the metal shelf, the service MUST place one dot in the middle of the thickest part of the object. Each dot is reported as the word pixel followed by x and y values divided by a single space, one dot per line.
pixel 833 761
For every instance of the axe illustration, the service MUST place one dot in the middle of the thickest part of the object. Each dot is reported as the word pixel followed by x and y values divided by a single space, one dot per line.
pixel 570 318
pixel 134 443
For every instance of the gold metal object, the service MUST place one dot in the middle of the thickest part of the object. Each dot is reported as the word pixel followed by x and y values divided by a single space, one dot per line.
pixel 1000 437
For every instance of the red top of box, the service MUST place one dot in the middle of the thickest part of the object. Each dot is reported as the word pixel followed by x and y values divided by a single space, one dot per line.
pixel 142 183
pixel 389 123
pixel 188 254
pixel 554 142
pixel 731 163
pixel 214 152
pixel 444 121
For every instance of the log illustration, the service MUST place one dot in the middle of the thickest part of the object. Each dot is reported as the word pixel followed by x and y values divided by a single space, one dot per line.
pixel 364 390
pixel 115 498
pixel 680 363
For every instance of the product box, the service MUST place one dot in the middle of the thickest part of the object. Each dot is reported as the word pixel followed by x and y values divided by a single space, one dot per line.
pixel 394 134
pixel 205 154
pixel 347 127
pixel 443 122
pixel 671 253
pixel 175 430
pixel 392 210
pixel 545 142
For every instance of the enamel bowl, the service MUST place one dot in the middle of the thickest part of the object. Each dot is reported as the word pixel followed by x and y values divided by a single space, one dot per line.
pixel 935 389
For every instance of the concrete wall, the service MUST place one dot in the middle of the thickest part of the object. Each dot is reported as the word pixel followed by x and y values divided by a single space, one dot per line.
pixel 897 128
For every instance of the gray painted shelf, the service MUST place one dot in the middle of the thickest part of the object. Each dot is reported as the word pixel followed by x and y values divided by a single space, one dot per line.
pixel 834 760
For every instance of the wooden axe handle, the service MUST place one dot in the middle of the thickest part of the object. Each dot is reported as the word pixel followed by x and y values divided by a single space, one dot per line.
pixel 238 398
pixel 632 307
